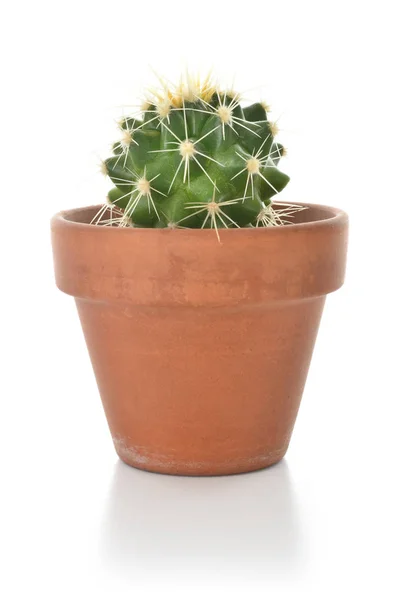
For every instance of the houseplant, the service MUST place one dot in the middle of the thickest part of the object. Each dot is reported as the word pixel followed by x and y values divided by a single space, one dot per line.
pixel 199 297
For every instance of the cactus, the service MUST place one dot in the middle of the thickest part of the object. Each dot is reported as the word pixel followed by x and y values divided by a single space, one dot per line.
pixel 196 159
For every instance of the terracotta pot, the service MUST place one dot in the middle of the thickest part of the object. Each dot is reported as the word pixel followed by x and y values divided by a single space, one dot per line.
pixel 200 349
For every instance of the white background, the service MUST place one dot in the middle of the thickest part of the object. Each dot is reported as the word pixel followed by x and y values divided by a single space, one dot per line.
pixel 77 523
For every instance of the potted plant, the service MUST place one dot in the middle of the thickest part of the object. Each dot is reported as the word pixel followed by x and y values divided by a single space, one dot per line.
pixel 199 297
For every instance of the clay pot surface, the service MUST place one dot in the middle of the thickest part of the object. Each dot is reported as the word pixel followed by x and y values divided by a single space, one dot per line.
pixel 200 349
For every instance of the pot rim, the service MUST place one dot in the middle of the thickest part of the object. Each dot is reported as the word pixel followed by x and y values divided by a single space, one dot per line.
pixel 334 217
pixel 190 268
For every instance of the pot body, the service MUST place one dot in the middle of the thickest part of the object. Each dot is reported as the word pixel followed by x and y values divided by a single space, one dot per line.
pixel 200 349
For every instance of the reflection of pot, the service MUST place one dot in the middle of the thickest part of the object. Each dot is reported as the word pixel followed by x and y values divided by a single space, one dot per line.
pixel 200 349
pixel 156 522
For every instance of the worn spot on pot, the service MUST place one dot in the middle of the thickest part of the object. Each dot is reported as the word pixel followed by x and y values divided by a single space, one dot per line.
pixel 139 456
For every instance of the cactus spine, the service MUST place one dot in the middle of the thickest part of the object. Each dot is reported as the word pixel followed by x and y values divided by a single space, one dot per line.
pixel 195 159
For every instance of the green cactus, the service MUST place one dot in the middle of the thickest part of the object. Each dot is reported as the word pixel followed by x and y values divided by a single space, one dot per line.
pixel 196 159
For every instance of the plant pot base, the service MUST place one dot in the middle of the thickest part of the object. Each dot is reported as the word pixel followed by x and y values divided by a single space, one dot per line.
pixel 169 466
